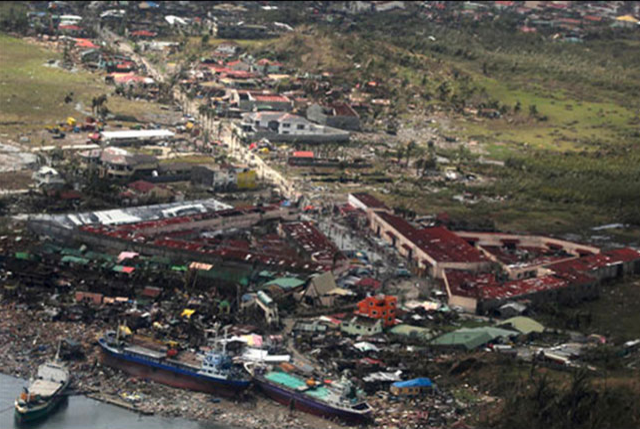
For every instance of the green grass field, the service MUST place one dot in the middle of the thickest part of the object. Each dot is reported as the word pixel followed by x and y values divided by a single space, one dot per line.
pixel 32 94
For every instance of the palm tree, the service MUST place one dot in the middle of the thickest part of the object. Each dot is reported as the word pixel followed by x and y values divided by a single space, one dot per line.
pixel 419 165
pixel 410 147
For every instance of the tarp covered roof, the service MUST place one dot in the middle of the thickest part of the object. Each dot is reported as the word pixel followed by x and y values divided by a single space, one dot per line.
pixel 416 382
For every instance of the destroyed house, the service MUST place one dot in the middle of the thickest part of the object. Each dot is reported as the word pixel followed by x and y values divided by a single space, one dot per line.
pixel 361 326
pixel 248 101
pixel 117 163
pixel 337 115
pixel 312 242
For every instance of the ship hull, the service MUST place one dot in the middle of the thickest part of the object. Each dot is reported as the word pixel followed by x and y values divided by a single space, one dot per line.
pixel 171 376
pixel 308 404
pixel 41 412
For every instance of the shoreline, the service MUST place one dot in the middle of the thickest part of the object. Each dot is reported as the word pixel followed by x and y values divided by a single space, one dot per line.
pixel 28 339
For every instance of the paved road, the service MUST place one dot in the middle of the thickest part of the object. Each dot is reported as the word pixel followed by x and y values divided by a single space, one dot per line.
pixel 223 129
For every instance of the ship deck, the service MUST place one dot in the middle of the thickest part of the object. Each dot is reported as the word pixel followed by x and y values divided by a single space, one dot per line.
pixel 295 383
pixel 44 388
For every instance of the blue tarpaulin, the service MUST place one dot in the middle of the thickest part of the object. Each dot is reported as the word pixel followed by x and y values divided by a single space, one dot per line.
pixel 416 382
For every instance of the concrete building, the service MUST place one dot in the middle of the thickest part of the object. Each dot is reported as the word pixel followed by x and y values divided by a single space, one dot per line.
pixel 223 178
pixel 278 126
pixel 525 255
pixel 118 163
pixel 381 307
pixel 430 250
pixel 361 326
pixel 130 137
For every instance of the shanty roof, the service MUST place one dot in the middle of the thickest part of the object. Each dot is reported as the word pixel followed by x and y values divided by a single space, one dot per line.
pixel 523 325
pixel 411 331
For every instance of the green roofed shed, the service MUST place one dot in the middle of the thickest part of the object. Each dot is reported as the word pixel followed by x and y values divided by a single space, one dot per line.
pixel 523 325
pixel 25 256
pixel 123 269
pixel 471 338
pixel 410 331
pixel 286 282
pixel 70 259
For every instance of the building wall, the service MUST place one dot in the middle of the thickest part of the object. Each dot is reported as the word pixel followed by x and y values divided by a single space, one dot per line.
pixel 467 303
pixel 344 122
pixel 494 239
pixel 382 309
pixel 306 138
pixel 247 179
pixel 352 327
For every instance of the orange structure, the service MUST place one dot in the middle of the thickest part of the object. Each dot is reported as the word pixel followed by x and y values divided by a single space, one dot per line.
pixel 379 307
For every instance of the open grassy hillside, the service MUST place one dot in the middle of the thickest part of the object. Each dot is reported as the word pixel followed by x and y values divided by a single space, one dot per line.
pixel 569 145
pixel 32 91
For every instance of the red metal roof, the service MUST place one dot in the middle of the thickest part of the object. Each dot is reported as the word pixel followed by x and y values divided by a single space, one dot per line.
pixel 303 154
pixel 277 254
pixel 85 43
pixel 239 74
pixel 314 242
pixel 486 287
pixel 343 109
pixel 141 186
pixel 438 242
pixel 369 200
pixel 69 27
pixel 591 263
pixel 143 33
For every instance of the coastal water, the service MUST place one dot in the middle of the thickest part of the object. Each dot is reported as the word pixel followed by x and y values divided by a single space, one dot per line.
pixel 84 413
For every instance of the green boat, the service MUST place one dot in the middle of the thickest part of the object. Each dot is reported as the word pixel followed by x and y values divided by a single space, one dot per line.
pixel 44 393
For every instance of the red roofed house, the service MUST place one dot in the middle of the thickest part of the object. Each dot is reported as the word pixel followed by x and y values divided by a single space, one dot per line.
pixel 249 101
pixel 268 67
pixel 85 44
pixel 239 65
pixel 379 307
pixel 142 190
pixel 70 29
pixel 303 154
pixel 143 34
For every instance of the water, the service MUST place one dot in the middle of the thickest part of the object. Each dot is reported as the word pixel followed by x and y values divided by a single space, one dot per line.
pixel 83 413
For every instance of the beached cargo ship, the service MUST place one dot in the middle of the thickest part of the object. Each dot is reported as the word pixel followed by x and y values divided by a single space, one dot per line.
pixel 319 397
pixel 212 372
pixel 45 392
